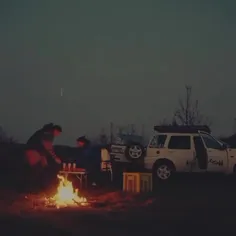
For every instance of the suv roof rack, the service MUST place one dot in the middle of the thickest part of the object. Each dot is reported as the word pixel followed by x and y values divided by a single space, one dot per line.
pixel 182 129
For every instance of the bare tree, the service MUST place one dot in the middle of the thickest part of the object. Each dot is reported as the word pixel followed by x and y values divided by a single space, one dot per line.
pixel 111 132
pixel 234 126
pixel 121 130
pixel 131 129
pixel 165 122
pixel 103 138
pixel 188 112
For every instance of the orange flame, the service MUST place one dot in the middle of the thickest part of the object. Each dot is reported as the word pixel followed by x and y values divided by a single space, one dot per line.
pixel 66 195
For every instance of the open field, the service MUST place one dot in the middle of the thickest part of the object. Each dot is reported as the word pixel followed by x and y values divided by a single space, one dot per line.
pixel 187 207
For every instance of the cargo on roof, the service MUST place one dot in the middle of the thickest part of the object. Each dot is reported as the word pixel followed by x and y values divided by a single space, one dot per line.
pixel 181 129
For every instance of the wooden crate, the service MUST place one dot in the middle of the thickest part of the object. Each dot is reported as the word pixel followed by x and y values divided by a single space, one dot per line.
pixel 137 182
pixel 105 156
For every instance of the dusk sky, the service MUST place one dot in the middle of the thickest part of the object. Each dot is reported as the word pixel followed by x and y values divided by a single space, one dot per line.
pixel 124 61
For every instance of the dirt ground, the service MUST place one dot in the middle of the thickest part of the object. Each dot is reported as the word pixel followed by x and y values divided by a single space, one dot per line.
pixel 184 207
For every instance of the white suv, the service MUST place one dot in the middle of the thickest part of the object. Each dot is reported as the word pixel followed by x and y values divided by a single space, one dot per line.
pixel 187 149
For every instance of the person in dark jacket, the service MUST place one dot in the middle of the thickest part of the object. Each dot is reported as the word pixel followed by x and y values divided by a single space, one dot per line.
pixel 41 160
pixel 42 143
pixel 91 162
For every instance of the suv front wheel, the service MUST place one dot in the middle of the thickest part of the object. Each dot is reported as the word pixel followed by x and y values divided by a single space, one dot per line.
pixel 163 170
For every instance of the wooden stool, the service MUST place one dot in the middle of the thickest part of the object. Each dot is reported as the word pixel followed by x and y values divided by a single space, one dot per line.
pixel 137 182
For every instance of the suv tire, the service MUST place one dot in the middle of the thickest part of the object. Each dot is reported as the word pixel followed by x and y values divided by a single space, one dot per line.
pixel 163 170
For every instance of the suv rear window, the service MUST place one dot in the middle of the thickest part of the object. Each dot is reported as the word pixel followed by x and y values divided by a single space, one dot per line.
pixel 158 141
pixel 179 142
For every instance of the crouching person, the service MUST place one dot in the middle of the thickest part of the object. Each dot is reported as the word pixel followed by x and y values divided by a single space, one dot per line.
pixel 41 162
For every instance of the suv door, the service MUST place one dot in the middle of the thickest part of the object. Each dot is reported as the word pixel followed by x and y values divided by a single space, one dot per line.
pixel 217 155
pixel 201 157
pixel 154 149
pixel 180 152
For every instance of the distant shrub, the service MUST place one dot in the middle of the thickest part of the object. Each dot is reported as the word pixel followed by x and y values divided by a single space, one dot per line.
pixel 6 139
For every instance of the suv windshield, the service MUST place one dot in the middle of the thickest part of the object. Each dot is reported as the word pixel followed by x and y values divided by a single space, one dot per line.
pixel 158 141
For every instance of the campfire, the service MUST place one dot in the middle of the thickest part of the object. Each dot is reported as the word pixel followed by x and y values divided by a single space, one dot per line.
pixel 66 195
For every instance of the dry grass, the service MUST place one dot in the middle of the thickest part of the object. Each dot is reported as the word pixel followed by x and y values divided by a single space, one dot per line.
pixel 186 208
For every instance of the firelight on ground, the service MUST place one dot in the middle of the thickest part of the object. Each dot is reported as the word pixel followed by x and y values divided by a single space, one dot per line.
pixel 66 195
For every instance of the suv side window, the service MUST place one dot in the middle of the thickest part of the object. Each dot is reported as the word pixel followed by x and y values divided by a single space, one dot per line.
pixel 158 141
pixel 211 142
pixel 179 142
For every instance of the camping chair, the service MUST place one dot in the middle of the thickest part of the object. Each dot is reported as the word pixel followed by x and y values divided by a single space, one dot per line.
pixel 106 165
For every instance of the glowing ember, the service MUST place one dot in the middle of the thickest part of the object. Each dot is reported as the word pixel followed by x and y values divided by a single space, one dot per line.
pixel 66 195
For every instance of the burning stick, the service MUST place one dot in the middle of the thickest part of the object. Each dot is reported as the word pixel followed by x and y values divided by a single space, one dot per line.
pixel 66 195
